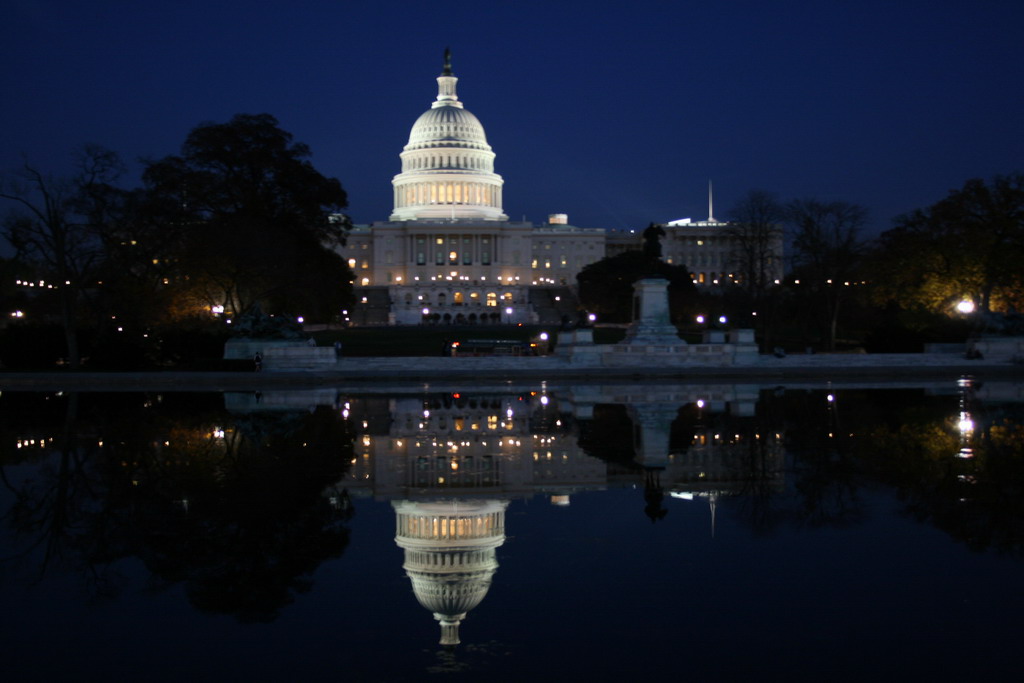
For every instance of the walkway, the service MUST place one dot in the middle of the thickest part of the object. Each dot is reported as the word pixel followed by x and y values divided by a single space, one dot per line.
pixel 354 370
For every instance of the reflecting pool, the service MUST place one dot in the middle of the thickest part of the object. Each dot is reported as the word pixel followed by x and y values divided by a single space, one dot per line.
pixel 603 532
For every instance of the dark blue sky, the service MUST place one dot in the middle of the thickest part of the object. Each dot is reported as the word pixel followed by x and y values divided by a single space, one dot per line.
pixel 616 114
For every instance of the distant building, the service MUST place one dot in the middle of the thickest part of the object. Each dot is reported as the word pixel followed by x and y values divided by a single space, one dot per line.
pixel 449 254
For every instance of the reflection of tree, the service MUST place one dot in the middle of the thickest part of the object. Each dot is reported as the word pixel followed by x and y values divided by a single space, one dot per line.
pixel 609 437
pixel 759 465
pixel 240 518
pixel 55 511
pixel 978 500
pixel 825 472
pixel 910 442
pixel 232 508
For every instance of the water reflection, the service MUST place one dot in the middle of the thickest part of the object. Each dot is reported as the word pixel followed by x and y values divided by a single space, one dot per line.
pixel 450 463
pixel 241 499
pixel 449 554
pixel 231 506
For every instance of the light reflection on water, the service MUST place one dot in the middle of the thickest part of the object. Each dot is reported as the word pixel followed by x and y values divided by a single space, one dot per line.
pixel 721 530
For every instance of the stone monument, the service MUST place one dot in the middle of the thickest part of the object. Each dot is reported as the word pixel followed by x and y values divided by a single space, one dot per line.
pixel 652 323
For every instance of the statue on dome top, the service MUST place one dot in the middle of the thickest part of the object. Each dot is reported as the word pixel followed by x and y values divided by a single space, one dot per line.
pixel 447 62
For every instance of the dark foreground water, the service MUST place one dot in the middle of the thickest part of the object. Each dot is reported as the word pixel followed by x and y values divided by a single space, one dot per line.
pixel 595 533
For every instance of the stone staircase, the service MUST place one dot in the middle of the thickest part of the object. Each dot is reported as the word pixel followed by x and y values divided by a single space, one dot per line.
pixel 554 305
pixel 373 311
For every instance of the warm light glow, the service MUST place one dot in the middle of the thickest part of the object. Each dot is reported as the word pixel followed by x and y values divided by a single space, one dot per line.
pixel 966 306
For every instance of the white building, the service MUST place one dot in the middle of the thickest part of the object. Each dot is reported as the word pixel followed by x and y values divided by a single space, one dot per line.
pixel 449 254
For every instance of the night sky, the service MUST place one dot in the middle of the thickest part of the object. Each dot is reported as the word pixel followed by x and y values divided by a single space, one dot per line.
pixel 617 114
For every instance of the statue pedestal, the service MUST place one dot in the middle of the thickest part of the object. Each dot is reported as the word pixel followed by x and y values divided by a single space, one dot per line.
pixel 652 323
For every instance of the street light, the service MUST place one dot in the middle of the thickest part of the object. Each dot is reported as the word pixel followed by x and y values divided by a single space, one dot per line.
pixel 966 306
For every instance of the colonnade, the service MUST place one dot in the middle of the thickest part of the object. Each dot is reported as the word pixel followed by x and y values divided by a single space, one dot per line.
pixel 426 193
pixel 437 249
pixel 441 526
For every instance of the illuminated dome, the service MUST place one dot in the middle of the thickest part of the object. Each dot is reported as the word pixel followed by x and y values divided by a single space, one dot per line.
pixel 451 127
pixel 447 167
pixel 450 555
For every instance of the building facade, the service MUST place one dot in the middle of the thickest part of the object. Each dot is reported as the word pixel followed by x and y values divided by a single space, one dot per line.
pixel 449 254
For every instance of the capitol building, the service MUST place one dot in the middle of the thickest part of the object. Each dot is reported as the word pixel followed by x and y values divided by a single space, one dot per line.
pixel 449 253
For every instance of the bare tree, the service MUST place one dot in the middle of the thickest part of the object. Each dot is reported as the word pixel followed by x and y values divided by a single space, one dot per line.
pixel 827 252
pixel 755 236
pixel 53 225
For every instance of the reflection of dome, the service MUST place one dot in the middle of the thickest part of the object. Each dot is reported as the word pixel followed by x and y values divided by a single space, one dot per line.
pixel 449 555
pixel 447 167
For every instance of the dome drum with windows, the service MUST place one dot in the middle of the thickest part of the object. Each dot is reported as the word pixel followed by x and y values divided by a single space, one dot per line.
pixel 447 167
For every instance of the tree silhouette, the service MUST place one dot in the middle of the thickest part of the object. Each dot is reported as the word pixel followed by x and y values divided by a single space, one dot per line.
pixel 55 226
pixel 257 222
